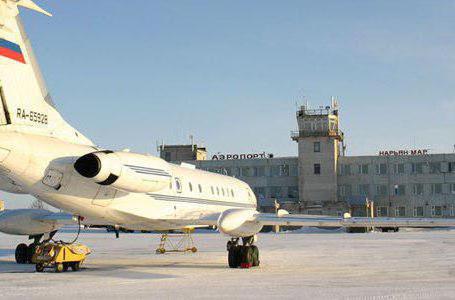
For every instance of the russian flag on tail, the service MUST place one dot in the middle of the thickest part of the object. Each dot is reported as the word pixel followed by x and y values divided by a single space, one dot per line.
pixel 11 50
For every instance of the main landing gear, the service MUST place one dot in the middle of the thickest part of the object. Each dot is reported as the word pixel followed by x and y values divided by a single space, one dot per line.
pixel 24 252
pixel 244 256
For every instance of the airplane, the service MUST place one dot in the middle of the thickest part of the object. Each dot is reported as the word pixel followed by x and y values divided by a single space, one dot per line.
pixel 44 156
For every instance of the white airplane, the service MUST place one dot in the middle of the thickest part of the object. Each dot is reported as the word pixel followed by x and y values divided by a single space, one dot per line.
pixel 42 155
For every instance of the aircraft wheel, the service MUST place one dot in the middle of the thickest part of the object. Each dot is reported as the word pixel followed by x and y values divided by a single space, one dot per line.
pixel 194 249
pixel 65 267
pixel 234 257
pixel 245 255
pixel 30 252
pixel 255 256
pixel 247 252
pixel 21 254
pixel 39 268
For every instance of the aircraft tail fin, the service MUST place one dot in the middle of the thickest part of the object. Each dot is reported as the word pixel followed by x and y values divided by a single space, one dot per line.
pixel 26 105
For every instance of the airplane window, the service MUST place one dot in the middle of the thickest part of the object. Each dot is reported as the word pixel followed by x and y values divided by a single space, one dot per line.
pixel 200 188
pixel 178 186
pixel 213 192
pixel 191 186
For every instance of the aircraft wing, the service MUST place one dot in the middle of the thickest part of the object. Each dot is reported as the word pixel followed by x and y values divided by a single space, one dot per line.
pixel 33 221
pixel 61 219
pixel 326 221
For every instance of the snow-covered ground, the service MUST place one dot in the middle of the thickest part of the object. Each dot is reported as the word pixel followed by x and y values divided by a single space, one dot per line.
pixel 405 265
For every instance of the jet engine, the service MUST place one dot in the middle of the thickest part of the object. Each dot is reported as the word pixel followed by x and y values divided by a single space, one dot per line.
pixel 239 223
pixel 28 222
pixel 125 171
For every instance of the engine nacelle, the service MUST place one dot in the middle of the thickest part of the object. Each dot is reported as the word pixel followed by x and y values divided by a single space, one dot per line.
pixel 239 223
pixel 125 171
pixel 26 222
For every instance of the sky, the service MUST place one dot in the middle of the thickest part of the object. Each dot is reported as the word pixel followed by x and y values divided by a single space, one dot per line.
pixel 129 74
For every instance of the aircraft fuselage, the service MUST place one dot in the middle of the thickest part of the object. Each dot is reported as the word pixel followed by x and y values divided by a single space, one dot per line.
pixel 44 167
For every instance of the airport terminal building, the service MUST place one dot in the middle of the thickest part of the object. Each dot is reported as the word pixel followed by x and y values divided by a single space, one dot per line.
pixel 323 180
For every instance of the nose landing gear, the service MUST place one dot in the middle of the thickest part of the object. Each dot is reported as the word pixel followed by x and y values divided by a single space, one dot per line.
pixel 244 256
pixel 25 253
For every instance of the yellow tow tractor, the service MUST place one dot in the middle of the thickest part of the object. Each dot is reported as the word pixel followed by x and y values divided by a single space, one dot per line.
pixel 60 256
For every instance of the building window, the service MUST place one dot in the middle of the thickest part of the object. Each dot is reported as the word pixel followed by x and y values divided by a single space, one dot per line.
pixel 317 146
pixel 418 211
pixel 218 191
pixel 364 190
pixel 451 167
pixel 436 189
pixel 259 171
pixel 167 156
pixel 381 190
pixel 399 168
pixel 259 192
pixel 284 170
pixel 452 211
pixel 363 169
pixel 345 190
pixel 345 169
pixel 383 211
pixel 317 169
pixel 452 188
pixel 381 169
pixel 435 167
pixel 436 211
pixel 400 211
pixel 200 188
pixel 213 191
pixel 279 171
pixel 190 186
pixel 294 170
pixel 275 171
pixel 246 172
pixel 400 190
pixel 232 193
pixel 417 189
pixel 417 168
pixel 276 192
pixel 293 192
pixel 227 172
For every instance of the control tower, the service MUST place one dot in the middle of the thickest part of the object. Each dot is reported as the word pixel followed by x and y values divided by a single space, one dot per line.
pixel 320 143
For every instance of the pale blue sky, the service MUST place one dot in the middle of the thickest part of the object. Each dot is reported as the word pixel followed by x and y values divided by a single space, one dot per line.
pixel 129 73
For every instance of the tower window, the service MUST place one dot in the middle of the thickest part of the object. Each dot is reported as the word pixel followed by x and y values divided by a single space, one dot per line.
pixel 317 169
pixel 317 146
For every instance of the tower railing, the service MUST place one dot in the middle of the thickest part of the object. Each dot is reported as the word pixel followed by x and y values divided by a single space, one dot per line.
pixel 296 135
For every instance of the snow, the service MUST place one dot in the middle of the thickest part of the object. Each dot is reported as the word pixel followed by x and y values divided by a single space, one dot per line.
pixel 324 264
